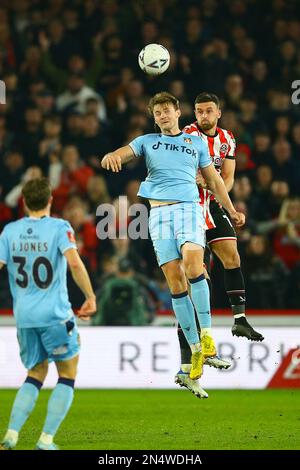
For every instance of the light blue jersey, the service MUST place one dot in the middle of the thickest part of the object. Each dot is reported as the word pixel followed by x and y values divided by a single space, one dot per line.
pixel 33 251
pixel 172 163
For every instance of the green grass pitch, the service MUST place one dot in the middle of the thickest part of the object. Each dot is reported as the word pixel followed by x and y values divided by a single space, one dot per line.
pixel 169 419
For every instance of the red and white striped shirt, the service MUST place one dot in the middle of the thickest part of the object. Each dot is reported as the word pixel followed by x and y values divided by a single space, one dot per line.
pixel 221 145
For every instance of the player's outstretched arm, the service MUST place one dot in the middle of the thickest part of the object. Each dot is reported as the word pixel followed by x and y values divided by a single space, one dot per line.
pixel 217 187
pixel 114 160
pixel 82 279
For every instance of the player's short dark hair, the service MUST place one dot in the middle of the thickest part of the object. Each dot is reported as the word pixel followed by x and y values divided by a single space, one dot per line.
pixel 162 98
pixel 37 193
pixel 206 97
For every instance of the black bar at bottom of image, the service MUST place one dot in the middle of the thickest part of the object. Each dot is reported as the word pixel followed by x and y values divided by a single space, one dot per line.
pixel 134 459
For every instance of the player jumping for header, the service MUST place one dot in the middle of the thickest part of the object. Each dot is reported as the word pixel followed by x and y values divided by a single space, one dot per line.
pixel 176 221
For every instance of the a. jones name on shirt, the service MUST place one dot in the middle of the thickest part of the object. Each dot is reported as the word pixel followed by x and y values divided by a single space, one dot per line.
pixel 36 247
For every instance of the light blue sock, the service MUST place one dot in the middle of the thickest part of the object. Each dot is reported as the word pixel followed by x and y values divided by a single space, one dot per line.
pixel 201 300
pixel 58 405
pixel 184 312
pixel 24 403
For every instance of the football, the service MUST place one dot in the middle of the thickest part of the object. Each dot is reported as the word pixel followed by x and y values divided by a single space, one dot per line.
pixel 154 59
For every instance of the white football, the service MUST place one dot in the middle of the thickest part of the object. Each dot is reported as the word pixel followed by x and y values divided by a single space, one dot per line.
pixel 154 59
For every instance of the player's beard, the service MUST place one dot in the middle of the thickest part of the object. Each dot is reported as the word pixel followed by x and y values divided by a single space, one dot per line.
pixel 207 126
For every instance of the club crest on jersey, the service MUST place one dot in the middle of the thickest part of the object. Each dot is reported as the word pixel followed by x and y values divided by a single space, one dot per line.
pixel 224 148
pixel 187 140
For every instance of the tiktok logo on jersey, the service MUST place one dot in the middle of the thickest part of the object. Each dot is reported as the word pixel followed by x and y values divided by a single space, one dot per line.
pixel 173 147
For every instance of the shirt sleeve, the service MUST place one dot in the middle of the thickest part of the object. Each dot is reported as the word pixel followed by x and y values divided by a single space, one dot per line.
pixel 137 146
pixel 4 249
pixel 66 237
pixel 204 156
pixel 232 146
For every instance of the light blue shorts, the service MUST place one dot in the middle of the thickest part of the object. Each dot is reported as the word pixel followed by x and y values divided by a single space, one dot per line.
pixel 58 342
pixel 172 225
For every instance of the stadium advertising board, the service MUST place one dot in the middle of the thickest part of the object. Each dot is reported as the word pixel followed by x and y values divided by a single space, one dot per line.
pixel 148 357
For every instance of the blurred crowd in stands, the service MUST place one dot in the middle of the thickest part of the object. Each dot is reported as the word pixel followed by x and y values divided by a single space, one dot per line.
pixel 74 91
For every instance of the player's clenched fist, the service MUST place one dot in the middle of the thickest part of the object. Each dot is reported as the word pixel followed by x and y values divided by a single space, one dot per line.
pixel 112 162
pixel 238 218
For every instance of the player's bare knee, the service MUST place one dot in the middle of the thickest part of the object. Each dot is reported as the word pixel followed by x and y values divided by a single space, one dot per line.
pixel 193 268
pixel 232 260
pixel 39 372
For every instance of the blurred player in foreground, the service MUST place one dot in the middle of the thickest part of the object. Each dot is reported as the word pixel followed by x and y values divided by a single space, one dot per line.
pixel 176 221
pixel 36 250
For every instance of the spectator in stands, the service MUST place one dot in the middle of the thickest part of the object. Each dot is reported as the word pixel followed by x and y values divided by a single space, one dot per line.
pixel 13 199
pixel 287 239
pixel 264 177
pixel 62 45
pixel 244 163
pixel 76 94
pixel 97 193
pixel 285 166
pixel 242 192
pixel 259 81
pixel 93 140
pixel 6 138
pixel 31 136
pixel 12 171
pixel 234 90
pixel 73 178
pixel 7 45
pixel 262 148
pixel 30 69
pixel 87 242
pixel 51 142
pixel 73 128
pixel 58 76
pixel 265 275
pixel 267 209
pixel 45 102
